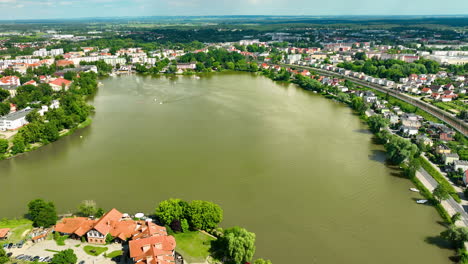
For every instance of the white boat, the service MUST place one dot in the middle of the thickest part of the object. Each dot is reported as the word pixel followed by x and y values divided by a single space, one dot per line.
pixel 414 190
pixel 421 201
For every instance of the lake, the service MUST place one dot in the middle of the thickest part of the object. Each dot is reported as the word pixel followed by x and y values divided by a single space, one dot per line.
pixel 299 170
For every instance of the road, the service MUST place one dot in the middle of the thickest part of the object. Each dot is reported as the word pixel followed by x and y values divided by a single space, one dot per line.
pixel 450 205
pixel 459 125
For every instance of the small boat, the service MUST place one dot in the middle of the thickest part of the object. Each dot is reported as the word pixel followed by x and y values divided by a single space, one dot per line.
pixel 414 190
pixel 421 201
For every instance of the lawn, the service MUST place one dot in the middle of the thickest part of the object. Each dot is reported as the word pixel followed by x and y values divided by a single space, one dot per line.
pixel 194 246
pixel 94 251
pixel 19 228
pixel 114 254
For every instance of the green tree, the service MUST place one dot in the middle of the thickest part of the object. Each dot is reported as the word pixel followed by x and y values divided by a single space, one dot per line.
pixel 87 208
pixel 42 213
pixel 204 215
pixel 3 94
pixel 172 209
pixel 3 146
pixel 3 256
pixel 262 261
pixel 456 235
pixel 64 257
pixel 99 212
pixel 33 116
pixel 50 132
pixel 69 75
pixel 455 217
pixel 109 238
pixel 399 149
pixel 237 245
pixel 441 192
pixel 4 109
pixel 184 225
pixel 376 122
pixel 18 144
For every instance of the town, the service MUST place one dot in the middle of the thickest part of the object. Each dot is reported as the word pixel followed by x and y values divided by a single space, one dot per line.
pixel 408 85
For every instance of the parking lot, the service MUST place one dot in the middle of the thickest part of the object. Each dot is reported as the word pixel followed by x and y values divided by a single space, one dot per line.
pixel 44 250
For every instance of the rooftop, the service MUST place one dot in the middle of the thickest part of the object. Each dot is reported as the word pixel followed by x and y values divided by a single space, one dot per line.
pixel 16 115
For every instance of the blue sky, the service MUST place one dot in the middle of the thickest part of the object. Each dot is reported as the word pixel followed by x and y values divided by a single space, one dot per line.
pixel 44 9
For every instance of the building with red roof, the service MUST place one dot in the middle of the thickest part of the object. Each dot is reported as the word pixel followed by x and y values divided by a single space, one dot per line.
pixel 153 250
pixel 60 83
pixel 64 63
pixel 113 223
pixel 4 233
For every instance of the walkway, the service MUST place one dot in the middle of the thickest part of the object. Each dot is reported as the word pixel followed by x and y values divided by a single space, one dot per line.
pixel 450 205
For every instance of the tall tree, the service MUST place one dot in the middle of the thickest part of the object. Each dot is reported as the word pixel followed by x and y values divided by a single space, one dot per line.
pixel 204 215
pixel 87 208
pixel 172 209
pixel 376 122
pixel 64 257
pixel 399 149
pixel 441 192
pixel 42 213
pixel 237 245
pixel 3 146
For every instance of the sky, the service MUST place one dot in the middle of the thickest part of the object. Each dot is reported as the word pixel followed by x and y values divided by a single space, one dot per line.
pixel 51 9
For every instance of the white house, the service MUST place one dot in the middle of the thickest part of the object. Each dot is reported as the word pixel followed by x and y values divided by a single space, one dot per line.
pixel 15 120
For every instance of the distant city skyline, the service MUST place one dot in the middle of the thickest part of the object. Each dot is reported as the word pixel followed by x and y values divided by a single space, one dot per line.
pixel 53 9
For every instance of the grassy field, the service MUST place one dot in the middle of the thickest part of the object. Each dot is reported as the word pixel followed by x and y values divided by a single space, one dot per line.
pixel 114 254
pixel 94 251
pixel 194 246
pixel 19 228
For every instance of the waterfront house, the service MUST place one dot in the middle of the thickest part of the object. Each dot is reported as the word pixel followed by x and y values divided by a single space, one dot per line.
pixel 15 120
pixel 153 250
pixel 186 66
pixel 113 223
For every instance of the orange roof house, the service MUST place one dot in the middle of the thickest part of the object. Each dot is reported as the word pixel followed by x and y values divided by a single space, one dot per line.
pixel 58 83
pixel 4 232
pixel 152 235
pixel 78 226
pixel 64 63
pixel 153 250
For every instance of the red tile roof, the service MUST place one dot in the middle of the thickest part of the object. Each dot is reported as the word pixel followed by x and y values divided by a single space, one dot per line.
pixel 78 225
pixel 60 81
pixel 4 232
pixel 156 249
pixel 103 225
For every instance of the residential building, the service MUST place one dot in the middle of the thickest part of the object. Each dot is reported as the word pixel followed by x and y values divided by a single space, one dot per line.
pixel 186 66
pixel 4 233
pixel 460 164
pixel 449 158
pixel 59 84
pixel 16 120
pixel 443 149
pixel 153 250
